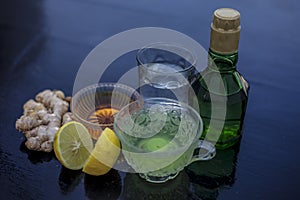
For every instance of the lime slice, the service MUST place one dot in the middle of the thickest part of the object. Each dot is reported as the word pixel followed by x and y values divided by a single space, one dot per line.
pixel 72 145
pixel 153 144
pixel 104 155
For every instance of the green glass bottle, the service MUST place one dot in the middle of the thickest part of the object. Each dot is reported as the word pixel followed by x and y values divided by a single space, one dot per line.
pixel 222 92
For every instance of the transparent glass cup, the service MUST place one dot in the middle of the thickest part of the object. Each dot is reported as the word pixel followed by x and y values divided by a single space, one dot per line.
pixel 96 105
pixel 165 70
pixel 160 136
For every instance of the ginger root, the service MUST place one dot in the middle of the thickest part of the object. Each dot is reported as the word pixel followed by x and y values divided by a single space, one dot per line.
pixel 42 119
pixel 67 117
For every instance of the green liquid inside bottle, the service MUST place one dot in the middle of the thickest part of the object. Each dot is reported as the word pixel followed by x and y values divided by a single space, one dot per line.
pixel 219 85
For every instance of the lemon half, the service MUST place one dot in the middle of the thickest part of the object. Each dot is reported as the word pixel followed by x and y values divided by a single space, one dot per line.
pixel 104 155
pixel 73 145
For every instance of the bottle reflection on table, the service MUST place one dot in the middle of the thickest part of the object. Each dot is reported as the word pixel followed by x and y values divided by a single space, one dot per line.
pixel 208 178
pixel 137 188
pixel 108 186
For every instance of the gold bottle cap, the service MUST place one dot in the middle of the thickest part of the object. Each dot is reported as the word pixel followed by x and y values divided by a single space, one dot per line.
pixel 225 31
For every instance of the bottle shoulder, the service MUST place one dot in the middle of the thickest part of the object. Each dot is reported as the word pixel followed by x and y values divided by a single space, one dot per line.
pixel 222 83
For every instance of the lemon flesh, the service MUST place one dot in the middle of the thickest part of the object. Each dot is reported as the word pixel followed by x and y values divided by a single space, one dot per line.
pixel 104 155
pixel 73 145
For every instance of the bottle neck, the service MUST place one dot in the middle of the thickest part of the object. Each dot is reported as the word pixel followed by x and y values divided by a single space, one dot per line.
pixel 222 62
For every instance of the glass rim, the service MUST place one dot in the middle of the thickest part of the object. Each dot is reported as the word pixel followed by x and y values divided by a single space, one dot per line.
pixel 181 105
pixel 156 46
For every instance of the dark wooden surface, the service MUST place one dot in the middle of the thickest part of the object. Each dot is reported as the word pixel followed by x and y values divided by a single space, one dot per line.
pixel 43 43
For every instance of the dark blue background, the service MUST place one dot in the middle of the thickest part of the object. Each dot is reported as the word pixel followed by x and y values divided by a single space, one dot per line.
pixel 43 43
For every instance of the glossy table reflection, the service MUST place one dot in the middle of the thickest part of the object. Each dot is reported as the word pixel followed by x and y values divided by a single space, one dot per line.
pixel 43 43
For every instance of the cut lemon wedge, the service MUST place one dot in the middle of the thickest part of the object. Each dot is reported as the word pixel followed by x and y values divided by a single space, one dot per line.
pixel 73 145
pixel 104 155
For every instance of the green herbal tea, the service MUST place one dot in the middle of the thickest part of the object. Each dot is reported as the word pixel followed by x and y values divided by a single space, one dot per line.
pixel 160 139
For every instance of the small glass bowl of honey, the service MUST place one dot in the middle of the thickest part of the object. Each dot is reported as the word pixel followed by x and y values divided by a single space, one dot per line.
pixel 96 105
